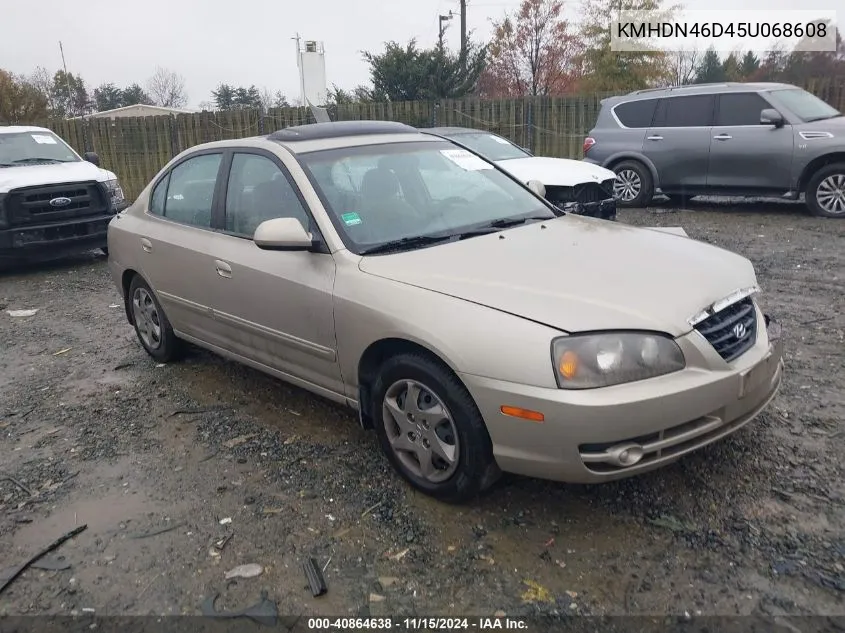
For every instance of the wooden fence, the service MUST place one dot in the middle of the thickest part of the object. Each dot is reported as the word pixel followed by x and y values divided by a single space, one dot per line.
pixel 137 148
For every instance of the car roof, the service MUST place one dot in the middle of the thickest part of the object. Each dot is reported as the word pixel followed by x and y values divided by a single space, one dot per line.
pixel 17 129
pixel 691 89
pixel 453 131
pixel 312 137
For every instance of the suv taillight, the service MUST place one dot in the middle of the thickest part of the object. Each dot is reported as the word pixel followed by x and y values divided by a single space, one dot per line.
pixel 588 143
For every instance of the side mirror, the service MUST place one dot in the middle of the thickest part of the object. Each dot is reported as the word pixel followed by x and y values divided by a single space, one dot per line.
pixel 282 234
pixel 770 116
pixel 537 187
pixel 92 158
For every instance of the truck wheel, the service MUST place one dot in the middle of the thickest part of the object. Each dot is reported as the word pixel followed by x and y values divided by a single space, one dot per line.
pixel 825 194
pixel 633 186
pixel 430 429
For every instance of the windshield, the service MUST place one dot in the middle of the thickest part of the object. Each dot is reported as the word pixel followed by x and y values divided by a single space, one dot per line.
pixel 378 194
pixel 804 105
pixel 31 148
pixel 490 146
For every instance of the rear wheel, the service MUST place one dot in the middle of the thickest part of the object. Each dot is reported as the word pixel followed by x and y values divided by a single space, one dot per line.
pixel 151 324
pixel 431 430
pixel 825 193
pixel 633 186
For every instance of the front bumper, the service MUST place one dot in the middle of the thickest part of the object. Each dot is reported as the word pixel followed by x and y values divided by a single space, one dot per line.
pixel 75 235
pixel 584 432
pixel 604 210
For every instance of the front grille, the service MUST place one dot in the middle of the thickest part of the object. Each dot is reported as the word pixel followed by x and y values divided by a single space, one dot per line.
pixel 31 205
pixel 731 331
pixel 590 192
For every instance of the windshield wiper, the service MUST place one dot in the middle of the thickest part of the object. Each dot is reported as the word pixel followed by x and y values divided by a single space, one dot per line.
pixel 502 223
pixel 39 160
pixel 406 243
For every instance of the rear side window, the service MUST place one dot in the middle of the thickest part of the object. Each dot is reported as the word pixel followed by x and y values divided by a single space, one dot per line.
pixel 190 190
pixel 742 108
pixel 692 111
pixel 636 113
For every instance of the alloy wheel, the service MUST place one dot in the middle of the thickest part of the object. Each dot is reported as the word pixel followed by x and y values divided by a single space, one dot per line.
pixel 627 185
pixel 146 317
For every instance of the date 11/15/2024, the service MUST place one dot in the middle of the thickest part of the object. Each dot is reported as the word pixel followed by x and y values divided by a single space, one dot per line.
pixel 418 624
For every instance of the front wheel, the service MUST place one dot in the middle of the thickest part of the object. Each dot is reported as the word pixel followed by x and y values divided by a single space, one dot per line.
pixel 633 186
pixel 431 430
pixel 825 193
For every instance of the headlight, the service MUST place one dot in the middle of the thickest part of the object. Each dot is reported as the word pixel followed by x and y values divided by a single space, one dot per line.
pixel 587 361
pixel 116 198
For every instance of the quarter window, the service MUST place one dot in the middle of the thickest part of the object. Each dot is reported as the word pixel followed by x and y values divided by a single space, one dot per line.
pixel 258 191
pixel 691 111
pixel 636 114
pixel 190 190
pixel 740 109
pixel 159 196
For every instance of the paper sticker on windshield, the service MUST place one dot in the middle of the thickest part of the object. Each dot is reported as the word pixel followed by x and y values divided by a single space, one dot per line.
pixel 501 140
pixel 351 219
pixel 43 139
pixel 465 160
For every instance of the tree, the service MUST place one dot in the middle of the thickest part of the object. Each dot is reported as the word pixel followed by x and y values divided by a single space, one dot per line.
pixel 70 95
pixel 273 99
pixel 108 97
pixel 749 66
pixel 532 53
pixel 247 97
pixel 683 66
pixel 167 89
pixel 804 62
pixel 338 96
pixel 606 69
pixel 772 66
pixel 228 97
pixel 20 100
pixel 730 68
pixel 407 73
pixel 42 80
pixel 224 97
pixel 135 94
pixel 710 70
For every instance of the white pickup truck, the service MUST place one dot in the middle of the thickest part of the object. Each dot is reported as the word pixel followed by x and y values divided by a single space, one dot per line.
pixel 52 201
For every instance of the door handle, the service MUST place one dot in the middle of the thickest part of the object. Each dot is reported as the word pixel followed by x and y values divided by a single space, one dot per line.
pixel 655 138
pixel 223 269
pixel 147 245
pixel 723 137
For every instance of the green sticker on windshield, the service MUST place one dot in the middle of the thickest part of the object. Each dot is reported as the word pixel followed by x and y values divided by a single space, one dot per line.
pixel 351 219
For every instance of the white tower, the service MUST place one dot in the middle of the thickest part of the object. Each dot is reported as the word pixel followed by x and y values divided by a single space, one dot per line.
pixel 311 61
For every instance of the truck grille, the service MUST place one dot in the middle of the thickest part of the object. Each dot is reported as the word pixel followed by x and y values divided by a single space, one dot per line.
pixel 32 205
pixel 731 331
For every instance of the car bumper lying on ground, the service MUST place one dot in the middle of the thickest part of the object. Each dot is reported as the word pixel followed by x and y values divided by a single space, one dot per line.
pixel 584 435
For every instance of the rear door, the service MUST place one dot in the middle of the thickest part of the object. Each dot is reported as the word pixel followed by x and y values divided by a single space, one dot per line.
pixel 176 241
pixel 739 142
pixel 678 141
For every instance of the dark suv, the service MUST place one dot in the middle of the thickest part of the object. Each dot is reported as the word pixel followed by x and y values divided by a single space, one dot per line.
pixel 730 139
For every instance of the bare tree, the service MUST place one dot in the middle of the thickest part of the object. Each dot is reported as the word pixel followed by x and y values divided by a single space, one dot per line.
pixel 683 66
pixel 167 88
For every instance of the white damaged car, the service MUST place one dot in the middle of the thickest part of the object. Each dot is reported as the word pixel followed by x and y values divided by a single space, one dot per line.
pixel 572 185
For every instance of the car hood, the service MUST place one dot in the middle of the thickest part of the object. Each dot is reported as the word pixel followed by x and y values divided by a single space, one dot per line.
pixel 555 172
pixel 577 274
pixel 51 174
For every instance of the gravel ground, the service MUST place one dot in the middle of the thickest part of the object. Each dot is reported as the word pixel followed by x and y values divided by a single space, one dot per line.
pixel 165 463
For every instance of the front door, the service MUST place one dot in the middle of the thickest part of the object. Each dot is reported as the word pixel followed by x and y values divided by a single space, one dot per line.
pixel 274 307
pixel 739 141
pixel 678 141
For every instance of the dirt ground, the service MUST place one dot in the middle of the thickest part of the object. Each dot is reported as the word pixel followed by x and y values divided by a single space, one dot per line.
pixel 164 463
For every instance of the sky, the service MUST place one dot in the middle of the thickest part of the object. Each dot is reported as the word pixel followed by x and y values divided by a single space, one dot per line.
pixel 245 42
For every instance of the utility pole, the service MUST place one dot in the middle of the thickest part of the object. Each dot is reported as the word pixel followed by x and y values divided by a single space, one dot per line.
pixel 443 18
pixel 67 82
pixel 463 27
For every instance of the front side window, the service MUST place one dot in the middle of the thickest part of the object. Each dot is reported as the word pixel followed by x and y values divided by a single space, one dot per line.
pixel 190 190
pixel 33 148
pixel 258 191
pixel 383 193
pixel 804 105
pixel 691 111
pixel 742 108
pixel 490 146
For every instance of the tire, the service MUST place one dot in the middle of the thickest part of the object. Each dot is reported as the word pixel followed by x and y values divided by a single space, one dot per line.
pixel 678 200
pixel 825 193
pixel 461 431
pixel 634 186
pixel 151 324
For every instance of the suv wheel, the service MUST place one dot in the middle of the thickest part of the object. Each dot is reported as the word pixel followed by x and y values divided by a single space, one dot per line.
pixel 633 186
pixel 826 192
pixel 431 430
